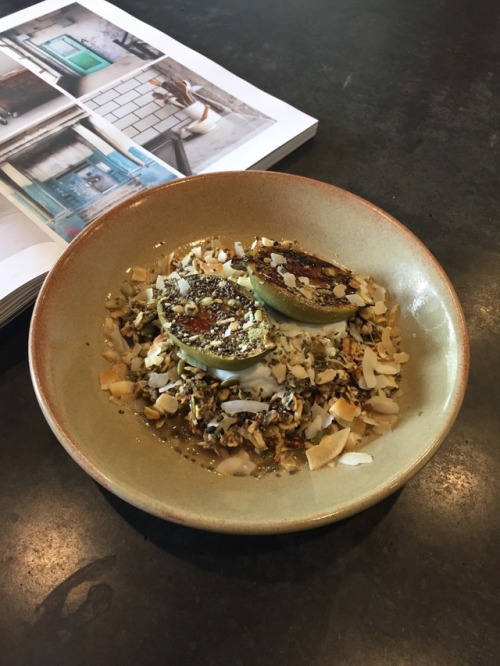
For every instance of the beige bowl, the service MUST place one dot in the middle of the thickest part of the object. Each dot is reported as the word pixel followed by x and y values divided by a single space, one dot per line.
pixel 123 455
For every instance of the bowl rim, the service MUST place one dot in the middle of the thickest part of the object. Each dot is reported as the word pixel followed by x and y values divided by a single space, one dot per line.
pixel 179 516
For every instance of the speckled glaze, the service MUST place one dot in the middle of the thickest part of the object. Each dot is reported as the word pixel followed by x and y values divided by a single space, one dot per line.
pixel 123 455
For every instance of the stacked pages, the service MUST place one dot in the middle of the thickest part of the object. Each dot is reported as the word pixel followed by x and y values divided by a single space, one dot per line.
pixel 96 106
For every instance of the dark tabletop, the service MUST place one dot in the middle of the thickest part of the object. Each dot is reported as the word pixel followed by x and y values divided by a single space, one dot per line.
pixel 407 96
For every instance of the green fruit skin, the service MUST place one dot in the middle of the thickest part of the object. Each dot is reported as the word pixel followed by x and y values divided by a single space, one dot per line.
pixel 292 307
pixel 213 360
pixel 220 362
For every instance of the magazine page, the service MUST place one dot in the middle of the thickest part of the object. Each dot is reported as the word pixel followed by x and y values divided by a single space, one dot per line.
pixel 96 106
pixel 27 253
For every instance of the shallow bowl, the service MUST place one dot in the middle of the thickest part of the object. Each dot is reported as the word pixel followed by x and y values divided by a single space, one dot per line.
pixel 126 457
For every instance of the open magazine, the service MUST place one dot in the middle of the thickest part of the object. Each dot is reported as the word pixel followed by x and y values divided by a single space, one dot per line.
pixel 96 106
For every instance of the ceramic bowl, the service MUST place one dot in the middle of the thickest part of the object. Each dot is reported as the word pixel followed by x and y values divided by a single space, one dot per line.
pixel 126 457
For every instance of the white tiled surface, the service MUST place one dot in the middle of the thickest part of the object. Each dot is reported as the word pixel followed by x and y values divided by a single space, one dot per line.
pixel 126 121
pixel 148 109
pixel 121 111
pixel 144 89
pixel 130 106
pixel 127 97
pixel 144 137
pixel 126 86
pixel 108 108
pixel 146 75
pixel 104 97
pixel 146 123
pixel 167 124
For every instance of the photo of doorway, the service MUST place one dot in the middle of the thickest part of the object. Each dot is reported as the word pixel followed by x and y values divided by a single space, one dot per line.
pixel 70 170
pixel 74 54
pixel 77 50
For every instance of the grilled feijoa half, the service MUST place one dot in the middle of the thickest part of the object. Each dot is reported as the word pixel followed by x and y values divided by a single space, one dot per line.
pixel 215 321
pixel 301 286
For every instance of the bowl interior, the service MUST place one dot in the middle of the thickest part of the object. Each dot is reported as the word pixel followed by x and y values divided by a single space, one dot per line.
pixel 126 457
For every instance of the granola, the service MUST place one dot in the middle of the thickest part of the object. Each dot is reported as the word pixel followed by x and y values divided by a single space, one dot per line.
pixel 315 395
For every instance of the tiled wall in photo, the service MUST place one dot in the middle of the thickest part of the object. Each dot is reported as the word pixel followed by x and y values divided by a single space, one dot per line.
pixel 130 106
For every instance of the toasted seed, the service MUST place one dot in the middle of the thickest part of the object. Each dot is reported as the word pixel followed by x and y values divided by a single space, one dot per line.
pixel 151 413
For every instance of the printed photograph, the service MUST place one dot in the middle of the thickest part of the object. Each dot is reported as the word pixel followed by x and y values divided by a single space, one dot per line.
pixel 25 98
pixel 179 116
pixel 77 49
pixel 71 168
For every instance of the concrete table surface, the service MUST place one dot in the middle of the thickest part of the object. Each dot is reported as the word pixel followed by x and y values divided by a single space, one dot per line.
pixel 407 96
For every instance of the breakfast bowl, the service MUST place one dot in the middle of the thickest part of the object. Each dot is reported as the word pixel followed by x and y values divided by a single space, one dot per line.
pixel 124 454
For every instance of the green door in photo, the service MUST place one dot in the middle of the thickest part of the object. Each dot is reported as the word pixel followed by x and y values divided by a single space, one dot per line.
pixel 75 55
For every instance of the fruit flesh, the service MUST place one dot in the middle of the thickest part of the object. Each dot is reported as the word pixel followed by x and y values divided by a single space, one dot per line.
pixel 300 285
pixel 216 322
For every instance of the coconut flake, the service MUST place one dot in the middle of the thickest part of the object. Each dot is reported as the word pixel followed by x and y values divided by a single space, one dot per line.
pixel 326 376
pixel 279 371
pixel 385 424
pixel 299 371
pixel 368 366
pixel 257 379
pixel 383 405
pixel 289 280
pixel 313 428
pixel 235 465
pixel 326 417
pixel 245 282
pixel 123 387
pixel 307 292
pixel 355 458
pixel 116 373
pixel 228 270
pixel 169 387
pixel 158 380
pixel 136 364
pixel 382 382
pixel 355 299
pixel 353 330
pixel 328 449
pixel 239 250
pixel 387 341
pixel 138 274
pixel 387 368
pixel 277 259
pixel 224 424
pixel 379 308
pixel 183 286
pixel 343 409
pixel 379 294
pixel 238 406
pixel 112 333
pixel 354 439
pixel 167 404
pixel 153 360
